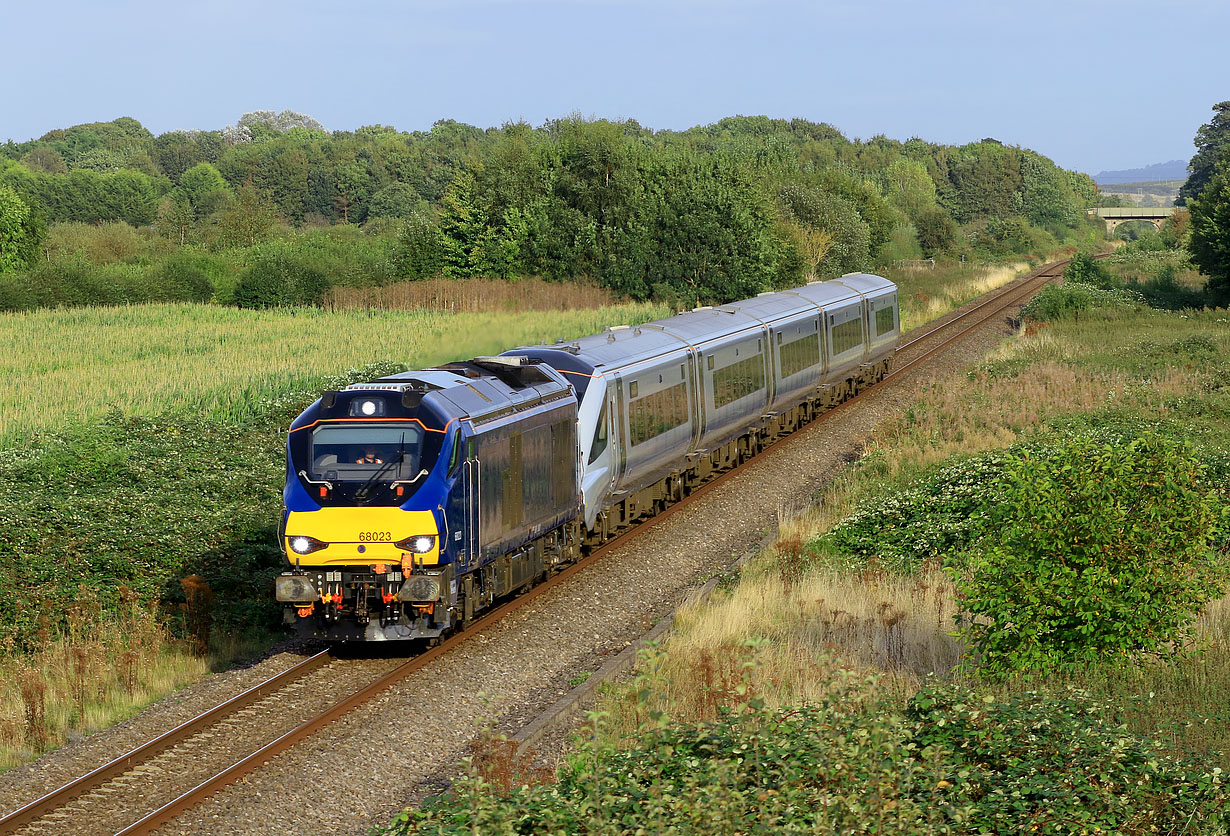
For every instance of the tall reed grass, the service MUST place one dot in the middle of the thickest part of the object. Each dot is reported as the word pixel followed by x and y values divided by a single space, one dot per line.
pixel 74 365
pixel 471 296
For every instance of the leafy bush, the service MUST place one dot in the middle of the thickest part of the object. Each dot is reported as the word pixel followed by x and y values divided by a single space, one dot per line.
pixel 420 249
pixel 71 283
pixel 182 278
pixel 1083 269
pixel 194 494
pixel 347 255
pixel 1102 551
pixel 278 278
pixel 952 763
pixel 1072 298
pixel 951 511
pixel 1058 302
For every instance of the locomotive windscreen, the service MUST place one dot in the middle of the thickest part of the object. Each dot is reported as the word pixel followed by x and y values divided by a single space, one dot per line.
pixel 357 451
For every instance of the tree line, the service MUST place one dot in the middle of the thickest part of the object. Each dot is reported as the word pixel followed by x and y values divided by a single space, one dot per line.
pixel 706 214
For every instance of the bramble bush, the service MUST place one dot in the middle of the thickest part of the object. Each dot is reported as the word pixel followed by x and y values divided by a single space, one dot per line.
pixel 940 516
pixel 1059 763
pixel 953 762
pixel 1103 551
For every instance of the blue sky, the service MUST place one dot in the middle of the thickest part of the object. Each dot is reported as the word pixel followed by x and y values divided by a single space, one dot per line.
pixel 1093 84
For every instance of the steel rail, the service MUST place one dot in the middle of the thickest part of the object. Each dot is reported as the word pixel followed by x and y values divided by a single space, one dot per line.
pixel 1018 292
pixel 1046 270
pixel 250 763
pixel 35 810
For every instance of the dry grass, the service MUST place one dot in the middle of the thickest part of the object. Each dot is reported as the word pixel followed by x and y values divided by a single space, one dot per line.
pixel 96 674
pixel 472 296
pixel 781 637
pixel 73 365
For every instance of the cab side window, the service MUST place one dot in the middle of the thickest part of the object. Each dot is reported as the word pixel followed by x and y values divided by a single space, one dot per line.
pixel 600 437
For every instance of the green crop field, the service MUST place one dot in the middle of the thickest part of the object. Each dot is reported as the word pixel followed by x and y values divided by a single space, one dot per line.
pixel 72 365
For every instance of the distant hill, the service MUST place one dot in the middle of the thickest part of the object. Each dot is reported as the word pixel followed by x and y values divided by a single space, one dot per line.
pixel 1173 170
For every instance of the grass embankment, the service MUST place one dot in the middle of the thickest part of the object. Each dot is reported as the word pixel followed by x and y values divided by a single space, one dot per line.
pixel 826 690
pixel 930 292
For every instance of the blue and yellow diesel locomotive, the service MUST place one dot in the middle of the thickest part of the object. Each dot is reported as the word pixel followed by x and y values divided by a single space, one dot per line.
pixel 414 501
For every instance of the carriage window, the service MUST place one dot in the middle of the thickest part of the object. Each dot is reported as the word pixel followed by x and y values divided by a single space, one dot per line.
pixel 884 320
pixel 800 354
pixel 600 437
pixel 738 380
pixel 847 335
pixel 657 412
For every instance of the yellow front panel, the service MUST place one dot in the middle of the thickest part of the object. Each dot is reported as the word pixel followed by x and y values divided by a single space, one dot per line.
pixel 359 535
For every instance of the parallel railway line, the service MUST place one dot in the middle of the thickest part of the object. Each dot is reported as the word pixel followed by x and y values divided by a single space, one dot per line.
pixel 55 811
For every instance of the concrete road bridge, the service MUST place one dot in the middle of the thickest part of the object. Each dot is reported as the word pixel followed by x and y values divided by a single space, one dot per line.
pixel 1156 215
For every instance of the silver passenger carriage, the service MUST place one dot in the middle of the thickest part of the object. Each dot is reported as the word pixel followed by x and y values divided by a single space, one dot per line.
pixel 665 404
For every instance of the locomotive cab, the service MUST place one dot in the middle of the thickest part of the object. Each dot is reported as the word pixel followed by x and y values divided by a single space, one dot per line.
pixel 365 483
pixel 388 529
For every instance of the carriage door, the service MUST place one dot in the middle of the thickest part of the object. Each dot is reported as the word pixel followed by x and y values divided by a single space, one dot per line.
pixel 472 496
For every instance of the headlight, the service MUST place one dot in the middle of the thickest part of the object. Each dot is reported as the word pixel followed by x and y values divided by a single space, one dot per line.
pixel 294 589
pixel 302 544
pixel 421 544
pixel 420 588
pixel 367 408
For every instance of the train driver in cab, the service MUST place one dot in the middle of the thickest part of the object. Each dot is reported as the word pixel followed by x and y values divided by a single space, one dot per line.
pixel 370 456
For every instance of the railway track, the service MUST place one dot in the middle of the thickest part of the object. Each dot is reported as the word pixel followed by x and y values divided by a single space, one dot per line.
pixel 113 784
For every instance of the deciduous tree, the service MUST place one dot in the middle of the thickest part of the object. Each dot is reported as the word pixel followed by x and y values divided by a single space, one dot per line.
pixel 910 187
pixel 1212 142
pixel 248 219
pixel 1210 233
pixel 20 231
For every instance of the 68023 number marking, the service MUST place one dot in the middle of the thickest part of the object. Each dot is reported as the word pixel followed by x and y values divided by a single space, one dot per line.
pixel 375 536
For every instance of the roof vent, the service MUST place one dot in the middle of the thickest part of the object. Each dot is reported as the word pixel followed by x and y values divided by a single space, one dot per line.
pixel 511 361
